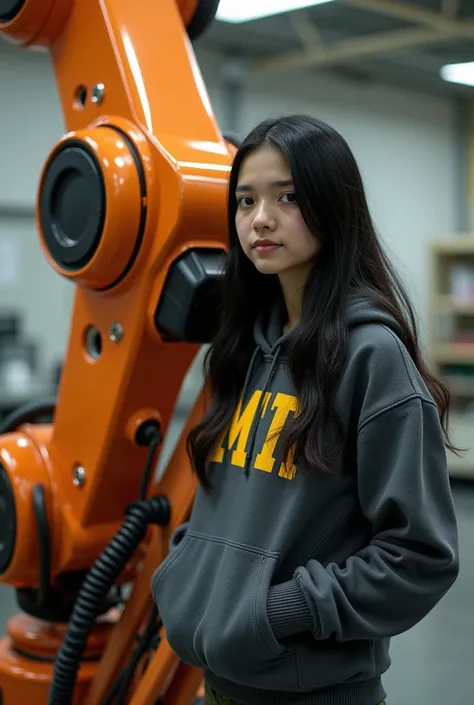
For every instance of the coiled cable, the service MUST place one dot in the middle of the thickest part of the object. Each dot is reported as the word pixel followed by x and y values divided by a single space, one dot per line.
pixel 95 588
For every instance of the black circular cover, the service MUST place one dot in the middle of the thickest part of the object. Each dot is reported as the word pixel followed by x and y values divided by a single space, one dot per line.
pixel 72 205
pixel 9 9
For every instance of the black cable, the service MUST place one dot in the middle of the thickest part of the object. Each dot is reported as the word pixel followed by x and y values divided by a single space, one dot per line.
pixel 110 697
pixel 122 682
pixel 149 465
pixel 148 434
pixel 143 646
pixel 27 413
pixel 95 588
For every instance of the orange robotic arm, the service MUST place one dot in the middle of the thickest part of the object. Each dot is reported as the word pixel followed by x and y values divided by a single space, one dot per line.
pixel 132 209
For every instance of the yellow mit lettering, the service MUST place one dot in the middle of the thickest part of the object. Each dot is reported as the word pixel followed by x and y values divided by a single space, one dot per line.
pixel 238 432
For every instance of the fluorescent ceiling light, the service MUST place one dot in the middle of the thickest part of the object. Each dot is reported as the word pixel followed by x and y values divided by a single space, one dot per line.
pixel 246 10
pixel 459 73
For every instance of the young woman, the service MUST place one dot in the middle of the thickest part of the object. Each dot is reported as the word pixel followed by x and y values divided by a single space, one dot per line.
pixel 324 523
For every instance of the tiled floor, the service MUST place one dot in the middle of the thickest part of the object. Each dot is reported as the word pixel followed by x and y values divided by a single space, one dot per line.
pixel 432 664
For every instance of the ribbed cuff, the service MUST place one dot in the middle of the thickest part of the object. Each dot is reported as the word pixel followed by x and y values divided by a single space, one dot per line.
pixel 287 610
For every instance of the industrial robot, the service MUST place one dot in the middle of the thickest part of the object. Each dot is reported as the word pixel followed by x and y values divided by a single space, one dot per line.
pixel 131 208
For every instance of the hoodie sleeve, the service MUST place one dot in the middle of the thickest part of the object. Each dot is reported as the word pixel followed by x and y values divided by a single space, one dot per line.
pixel 412 558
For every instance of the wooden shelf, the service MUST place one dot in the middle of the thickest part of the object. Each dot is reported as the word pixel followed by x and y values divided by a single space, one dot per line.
pixel 446 304
pixel 457 245
pixel 462 389
pixel 451 318
pixel 452 354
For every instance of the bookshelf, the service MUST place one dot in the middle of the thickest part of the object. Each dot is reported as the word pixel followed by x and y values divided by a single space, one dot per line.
pixel 451 334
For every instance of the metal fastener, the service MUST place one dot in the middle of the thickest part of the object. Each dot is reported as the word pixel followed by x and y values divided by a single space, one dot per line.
pixel 116 332
pixel 98 93
pixel 79 478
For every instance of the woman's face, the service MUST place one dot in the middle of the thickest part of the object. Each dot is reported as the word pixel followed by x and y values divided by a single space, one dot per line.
pixel 269 223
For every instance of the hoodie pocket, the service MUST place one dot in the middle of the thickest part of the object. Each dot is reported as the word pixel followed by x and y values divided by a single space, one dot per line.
pixel 212 597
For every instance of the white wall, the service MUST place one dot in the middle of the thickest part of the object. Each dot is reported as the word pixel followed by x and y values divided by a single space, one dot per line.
pixel 30 125
pixel 406 146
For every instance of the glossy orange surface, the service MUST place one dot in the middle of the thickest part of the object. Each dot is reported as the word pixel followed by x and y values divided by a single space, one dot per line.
pixel 153 93
pixel 22 456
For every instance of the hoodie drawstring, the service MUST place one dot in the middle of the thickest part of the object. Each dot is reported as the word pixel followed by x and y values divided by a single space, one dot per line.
pixel 250 370
pixel 255 420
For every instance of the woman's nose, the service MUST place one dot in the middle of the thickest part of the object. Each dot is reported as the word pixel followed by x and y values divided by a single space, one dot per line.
pixel 264 218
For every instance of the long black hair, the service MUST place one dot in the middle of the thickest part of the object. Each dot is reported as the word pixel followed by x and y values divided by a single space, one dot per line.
pixel 330 194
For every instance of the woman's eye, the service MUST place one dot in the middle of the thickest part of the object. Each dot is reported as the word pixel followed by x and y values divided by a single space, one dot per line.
pixel 291 197
pixel 244 201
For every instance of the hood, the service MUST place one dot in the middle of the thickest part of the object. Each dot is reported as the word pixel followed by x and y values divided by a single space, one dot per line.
pixel 362 311
pixel 271 341
pixel 268 327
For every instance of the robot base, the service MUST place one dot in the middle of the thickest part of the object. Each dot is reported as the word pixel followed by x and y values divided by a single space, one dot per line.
pixel 27 659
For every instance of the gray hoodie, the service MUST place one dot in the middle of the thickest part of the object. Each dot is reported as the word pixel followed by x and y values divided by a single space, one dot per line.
pixel 287 583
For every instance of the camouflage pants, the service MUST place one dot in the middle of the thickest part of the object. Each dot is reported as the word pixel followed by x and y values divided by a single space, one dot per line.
pixel 213 698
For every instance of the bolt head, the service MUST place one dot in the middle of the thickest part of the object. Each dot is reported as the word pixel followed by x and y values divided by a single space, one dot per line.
pixel 116 332
pixel 98 92
pixel 79 477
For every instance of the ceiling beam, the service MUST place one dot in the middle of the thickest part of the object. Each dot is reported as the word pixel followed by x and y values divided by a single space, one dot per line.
pixel 348 49
pixel 450 7
pixel 411 13
pixel 305 29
